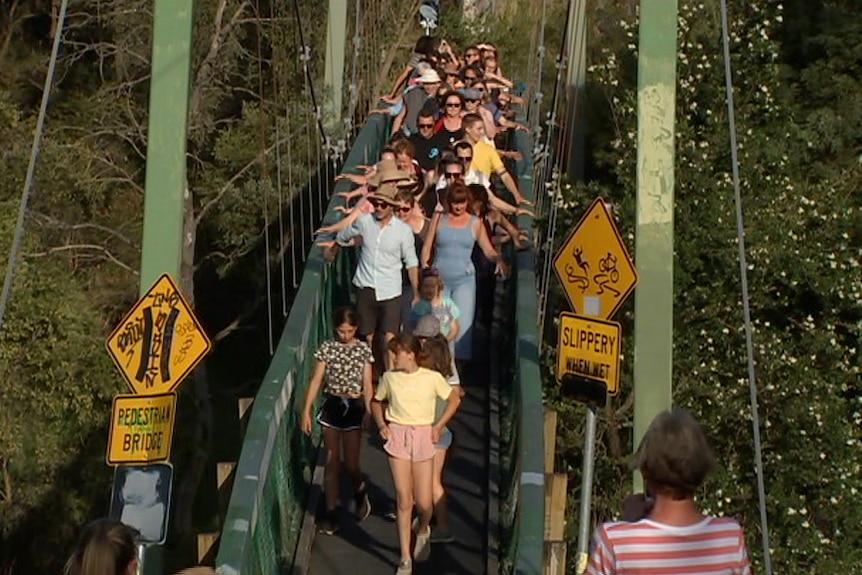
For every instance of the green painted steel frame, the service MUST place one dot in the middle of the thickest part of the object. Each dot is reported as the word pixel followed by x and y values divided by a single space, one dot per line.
pixel 653 361
pixel 336 38
pixel 260 531
pixel 166 141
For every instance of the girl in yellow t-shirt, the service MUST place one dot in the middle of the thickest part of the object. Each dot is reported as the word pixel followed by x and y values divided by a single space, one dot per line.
pixel 410 431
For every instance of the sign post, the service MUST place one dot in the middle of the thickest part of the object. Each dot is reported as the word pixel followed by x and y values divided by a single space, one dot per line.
pixel 597 275
pixel 158 343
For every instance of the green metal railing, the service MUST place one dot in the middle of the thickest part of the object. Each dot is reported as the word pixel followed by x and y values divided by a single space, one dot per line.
pixel 273 474
pixel 522 489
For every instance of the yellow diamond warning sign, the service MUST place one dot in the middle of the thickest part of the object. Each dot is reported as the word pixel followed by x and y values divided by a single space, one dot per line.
pixel 159 342
pixel 589 350
pixel 141 428
pixel 594 266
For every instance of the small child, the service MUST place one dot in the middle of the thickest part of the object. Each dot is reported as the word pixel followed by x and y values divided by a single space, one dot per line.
pixel 433 302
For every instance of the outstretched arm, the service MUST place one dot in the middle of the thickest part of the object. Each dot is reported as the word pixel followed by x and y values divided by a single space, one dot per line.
pixel 400 81
pixel 488 249
pixel 499 203
pixel 510 184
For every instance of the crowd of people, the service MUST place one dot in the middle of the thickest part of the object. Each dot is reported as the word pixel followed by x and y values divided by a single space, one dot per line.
pixel 428 220
pixel 428 223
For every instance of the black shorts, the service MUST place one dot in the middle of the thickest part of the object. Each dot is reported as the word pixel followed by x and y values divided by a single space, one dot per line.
pixel 342 413
pixel 377 316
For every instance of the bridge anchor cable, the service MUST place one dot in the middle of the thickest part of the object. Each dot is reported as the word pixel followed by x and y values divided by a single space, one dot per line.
pixel 746 311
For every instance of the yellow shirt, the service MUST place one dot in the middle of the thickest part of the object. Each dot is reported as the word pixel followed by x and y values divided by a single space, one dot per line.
pixel 413 396
pixel 486 159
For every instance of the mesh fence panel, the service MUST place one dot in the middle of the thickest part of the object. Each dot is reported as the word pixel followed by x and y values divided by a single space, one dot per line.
pixel 273 475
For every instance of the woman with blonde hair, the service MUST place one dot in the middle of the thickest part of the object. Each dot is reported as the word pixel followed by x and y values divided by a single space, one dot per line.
pixel 110 547
pixel 105 547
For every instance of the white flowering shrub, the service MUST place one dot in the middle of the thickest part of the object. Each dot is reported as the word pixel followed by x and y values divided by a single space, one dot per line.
pixel 799 129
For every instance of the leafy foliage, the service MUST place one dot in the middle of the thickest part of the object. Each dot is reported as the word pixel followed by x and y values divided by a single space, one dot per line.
pixel 798 150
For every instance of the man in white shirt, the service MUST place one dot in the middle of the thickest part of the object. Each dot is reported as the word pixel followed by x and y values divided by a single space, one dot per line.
pixel 387 246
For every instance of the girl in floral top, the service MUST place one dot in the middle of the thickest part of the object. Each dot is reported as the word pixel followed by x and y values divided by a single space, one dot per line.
pixel 344 369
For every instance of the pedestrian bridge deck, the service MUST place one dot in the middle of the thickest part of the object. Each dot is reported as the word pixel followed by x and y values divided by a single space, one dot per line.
pixel 372 545
pixel 495 478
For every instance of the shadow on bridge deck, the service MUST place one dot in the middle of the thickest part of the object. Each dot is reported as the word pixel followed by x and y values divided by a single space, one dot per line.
pixel 372 545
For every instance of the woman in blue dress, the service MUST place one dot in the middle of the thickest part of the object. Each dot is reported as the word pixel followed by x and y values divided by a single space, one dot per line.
pixel 451 238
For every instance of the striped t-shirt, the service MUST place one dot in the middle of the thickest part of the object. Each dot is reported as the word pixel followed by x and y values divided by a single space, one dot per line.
pixel 714 546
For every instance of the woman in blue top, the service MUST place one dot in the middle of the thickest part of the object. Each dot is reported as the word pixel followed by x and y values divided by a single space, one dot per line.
pixel 452 237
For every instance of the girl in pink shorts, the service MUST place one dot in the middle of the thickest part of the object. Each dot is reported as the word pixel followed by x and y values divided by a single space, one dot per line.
pixel 410 431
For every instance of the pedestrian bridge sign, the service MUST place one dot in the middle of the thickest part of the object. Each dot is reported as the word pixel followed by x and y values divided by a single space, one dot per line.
pixel 142 427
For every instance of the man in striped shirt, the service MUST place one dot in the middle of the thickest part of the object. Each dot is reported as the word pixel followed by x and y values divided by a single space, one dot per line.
pixel 673 538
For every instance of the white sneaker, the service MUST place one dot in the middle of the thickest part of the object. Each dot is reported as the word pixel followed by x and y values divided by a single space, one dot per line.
pixel 405 567
pixel 422 549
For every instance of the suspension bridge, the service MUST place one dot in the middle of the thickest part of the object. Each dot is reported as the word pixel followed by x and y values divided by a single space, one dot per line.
pixel 498 476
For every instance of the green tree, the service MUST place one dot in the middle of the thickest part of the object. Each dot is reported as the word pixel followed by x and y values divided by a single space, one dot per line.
pixel 798 177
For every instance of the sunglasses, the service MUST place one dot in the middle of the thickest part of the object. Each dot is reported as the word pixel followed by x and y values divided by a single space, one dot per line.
pixel 379 203
pixel 404 209
pixel 465 157
pixel 453 104
pixel 472 101
pixel 453 174
pixel 473 78
pixel 426 125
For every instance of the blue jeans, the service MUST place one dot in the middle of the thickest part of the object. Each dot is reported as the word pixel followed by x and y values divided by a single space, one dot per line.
pixel 462 290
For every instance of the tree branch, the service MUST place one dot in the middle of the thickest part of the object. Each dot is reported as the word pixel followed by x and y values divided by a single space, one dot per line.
pixel 205 209
pixel 94 247
pixel 46 219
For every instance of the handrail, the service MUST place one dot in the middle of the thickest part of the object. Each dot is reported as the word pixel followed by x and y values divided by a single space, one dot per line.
pixel 273 472
pixel 526 473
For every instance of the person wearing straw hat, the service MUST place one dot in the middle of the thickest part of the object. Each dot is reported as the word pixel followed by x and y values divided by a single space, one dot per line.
pixel 387 245
pixel 415 99
pixel 368 184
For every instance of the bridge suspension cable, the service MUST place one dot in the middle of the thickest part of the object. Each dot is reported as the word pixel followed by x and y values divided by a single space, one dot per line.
pixel 746 310
pixel 31 166
pixel 550 162
pixel 276 88
pixel 264 181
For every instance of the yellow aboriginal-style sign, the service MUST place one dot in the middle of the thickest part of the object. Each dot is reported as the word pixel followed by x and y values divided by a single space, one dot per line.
pixel 142 427
pixel 159 342
pixel 594 266
pixel 589 348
